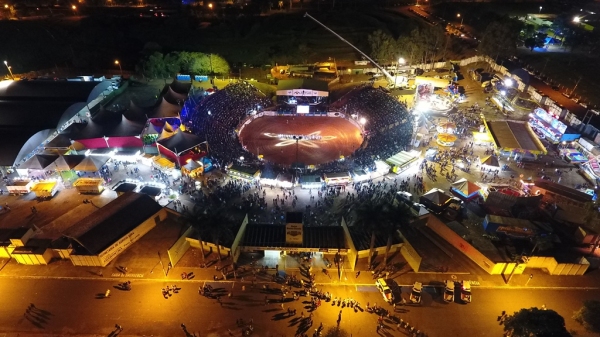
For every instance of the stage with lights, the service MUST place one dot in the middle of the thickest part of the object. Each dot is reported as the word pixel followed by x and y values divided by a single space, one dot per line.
pixel 309 140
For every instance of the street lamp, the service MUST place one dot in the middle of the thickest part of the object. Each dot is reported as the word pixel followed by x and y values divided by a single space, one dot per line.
pixel 210 5
pixel 576 19
pixel 9 70
pixel 74 8
pixel 119 64
pixel 461 19
pixel 540 10
pixel 363 121
pixel 401 61
pixel 508 82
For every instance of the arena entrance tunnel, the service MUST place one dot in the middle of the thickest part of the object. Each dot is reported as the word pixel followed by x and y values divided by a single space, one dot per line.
pixel 295 246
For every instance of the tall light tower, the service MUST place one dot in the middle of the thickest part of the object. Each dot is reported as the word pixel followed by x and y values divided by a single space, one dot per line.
pixel 9 70
pixel 297 139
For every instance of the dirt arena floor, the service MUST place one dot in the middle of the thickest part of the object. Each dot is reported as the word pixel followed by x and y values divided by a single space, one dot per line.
pixel 338 137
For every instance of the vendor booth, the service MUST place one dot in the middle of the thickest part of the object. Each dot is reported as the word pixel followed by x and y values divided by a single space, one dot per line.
pixel 268 178
pixel 360 175
pixel 549 127
pixel 45 189
pixel 246 173
pixel 89 185
pixel 337 178
pixel 465 189
pixel 311 181
pixel 192 169
pixel 435 200
pixel 19 186
pixel 402 161
pixel 91 163
pixel 37 162
pixel 490 162
pixel 285 180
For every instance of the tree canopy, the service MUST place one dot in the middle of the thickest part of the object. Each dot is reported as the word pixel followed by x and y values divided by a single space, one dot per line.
pixel 535 322
pixel 157 64
pixel 500 38
pixel 589 315
pixel 423 44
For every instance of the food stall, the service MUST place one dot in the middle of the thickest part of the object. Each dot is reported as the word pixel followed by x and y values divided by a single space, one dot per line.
pixel 403 160
pixel 337 178
pixel 246 173
pixel 45 189
pixel 548 127
pixel 311 181
pixel 89 185
pixel 192 169
pixel 19 187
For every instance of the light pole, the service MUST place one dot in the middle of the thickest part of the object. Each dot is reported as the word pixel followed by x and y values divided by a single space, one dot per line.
pixel 461 19
pixel 540 10
pixel 9 70
pixel 74 8
pixel 297 139
pixel 119 64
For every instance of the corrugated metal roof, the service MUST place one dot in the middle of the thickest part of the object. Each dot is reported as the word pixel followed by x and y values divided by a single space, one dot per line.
pixel 102 228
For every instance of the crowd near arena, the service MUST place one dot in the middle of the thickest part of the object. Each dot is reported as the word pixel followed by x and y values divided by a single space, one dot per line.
pixel 388 124
pixel 217 116
pixel 388 130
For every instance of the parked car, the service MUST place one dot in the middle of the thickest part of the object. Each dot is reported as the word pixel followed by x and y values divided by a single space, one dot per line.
pixel 465 291
pixel 415 294
pixel 449 291
pixel 555 88
pixel 384 289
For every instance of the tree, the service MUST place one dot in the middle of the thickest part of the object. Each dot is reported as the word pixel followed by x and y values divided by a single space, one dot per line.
pixel 531 43
pixel 380 217
pixel 535 322
pixel 401 216
pixel 215 224
pixel 383 46
pixel 304 52
pixel 172 64
pixel 154 65
pixel 219 65
pixel 589 315
pixel 500 38
pixel 542 243
pixel 336 331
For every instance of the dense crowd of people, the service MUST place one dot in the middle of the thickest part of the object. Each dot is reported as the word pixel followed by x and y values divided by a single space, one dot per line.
pixel 389 125
pixel 217 116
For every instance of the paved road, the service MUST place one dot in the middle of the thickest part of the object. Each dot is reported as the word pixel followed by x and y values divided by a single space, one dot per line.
pixel 75 307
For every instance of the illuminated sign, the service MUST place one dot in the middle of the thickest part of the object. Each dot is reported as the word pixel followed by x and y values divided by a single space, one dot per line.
pixel 303 109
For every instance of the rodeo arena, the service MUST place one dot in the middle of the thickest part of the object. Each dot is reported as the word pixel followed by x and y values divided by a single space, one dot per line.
pixel 283 175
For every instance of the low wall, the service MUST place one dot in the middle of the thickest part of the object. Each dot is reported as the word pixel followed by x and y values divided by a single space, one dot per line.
pixel 209 247
pixel 180 247
pixel 554 268
pixel 379 250
pixel 351 256
pixel 410 254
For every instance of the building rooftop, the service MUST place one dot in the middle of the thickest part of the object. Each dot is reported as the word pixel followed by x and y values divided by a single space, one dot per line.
pixel 515 135
pixel 260 235
pixel 103 227
pixel 563 190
